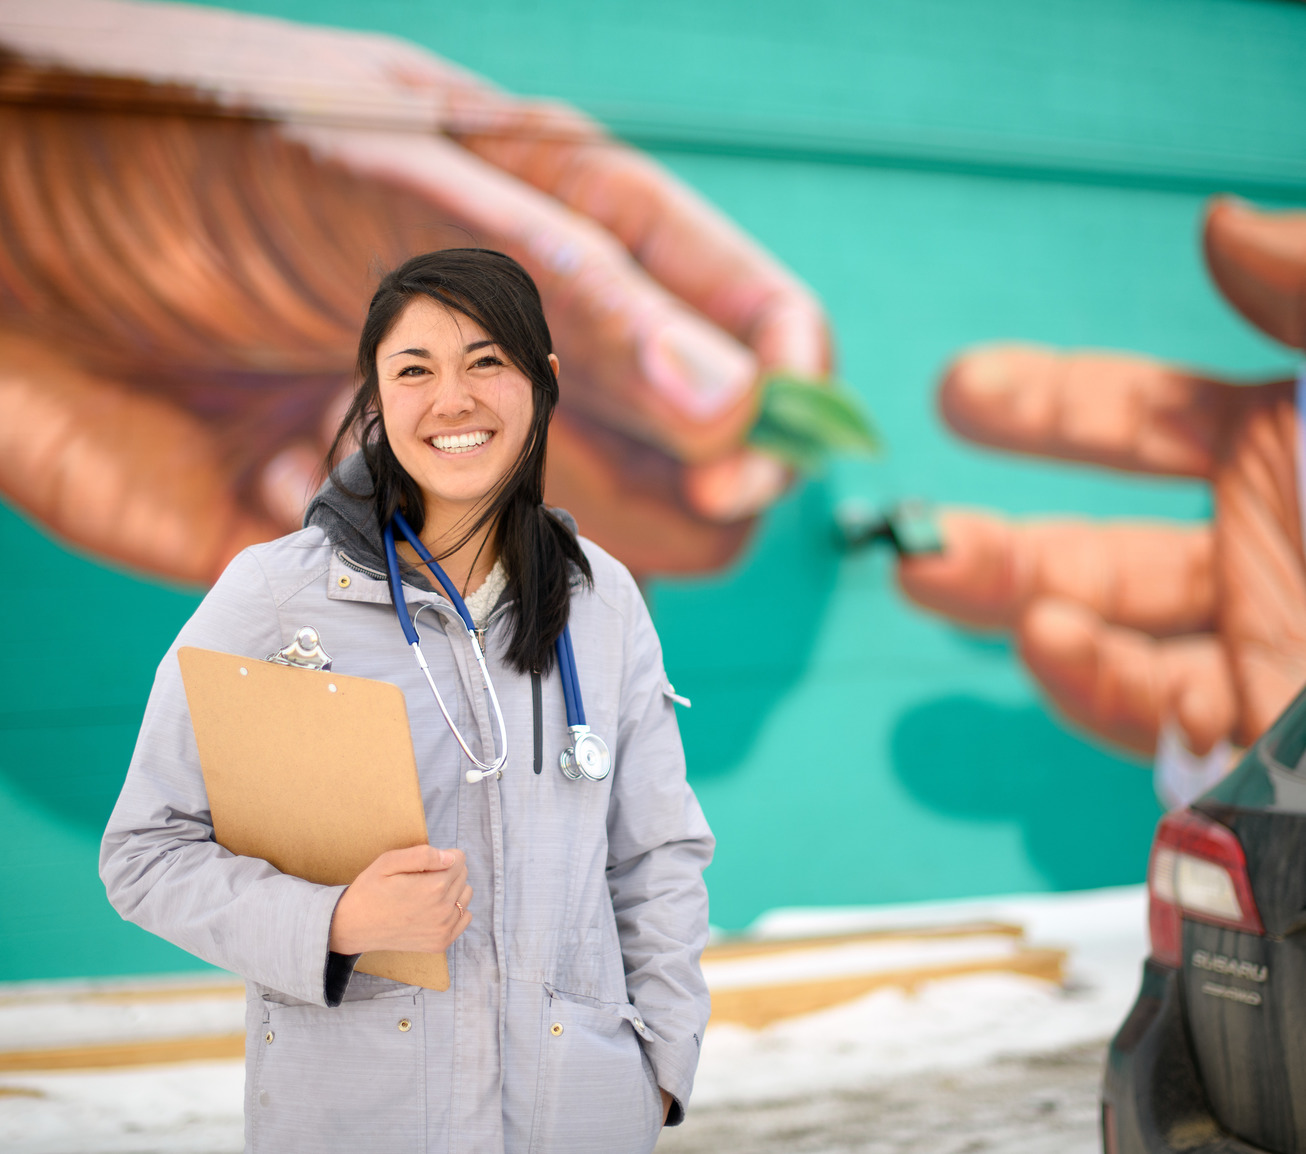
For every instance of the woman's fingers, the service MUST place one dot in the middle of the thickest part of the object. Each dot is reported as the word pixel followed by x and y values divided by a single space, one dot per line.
pixel 632 355
pixel 1258 260
pixel 1124 412
pixel 1121 685
pixel 404 900
pixel 121 473
pixel 1153 577
pixel 420 859
pixel 736 485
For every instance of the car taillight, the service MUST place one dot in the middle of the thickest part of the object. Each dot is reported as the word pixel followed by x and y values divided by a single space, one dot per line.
pixel 1198 871
pixel 1110 1140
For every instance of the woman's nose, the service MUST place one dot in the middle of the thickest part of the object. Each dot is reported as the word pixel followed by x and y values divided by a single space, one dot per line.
pixel 452 398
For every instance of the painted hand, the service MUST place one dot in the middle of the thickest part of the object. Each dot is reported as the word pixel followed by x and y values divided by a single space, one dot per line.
pixel 1128 624
pixel 180 312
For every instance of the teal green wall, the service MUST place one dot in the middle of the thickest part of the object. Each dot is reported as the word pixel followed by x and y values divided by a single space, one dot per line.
pixel 941 173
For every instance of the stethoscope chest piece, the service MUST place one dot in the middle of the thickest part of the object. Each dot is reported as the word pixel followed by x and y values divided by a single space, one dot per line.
pixel 587 756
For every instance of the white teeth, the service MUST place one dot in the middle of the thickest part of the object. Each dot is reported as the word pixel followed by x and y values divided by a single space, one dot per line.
pixel 461 442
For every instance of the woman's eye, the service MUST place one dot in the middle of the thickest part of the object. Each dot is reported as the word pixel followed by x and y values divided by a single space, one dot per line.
pixel 488 359
pixel 412 371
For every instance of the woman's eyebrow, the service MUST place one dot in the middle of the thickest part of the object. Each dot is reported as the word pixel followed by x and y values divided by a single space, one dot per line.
pixel 425 353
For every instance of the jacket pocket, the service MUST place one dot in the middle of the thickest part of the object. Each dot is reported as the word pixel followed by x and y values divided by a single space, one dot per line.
pixel 346 1080
pixel 597 1090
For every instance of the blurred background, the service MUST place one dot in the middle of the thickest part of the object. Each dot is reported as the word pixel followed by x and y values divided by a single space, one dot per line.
pixel 939 175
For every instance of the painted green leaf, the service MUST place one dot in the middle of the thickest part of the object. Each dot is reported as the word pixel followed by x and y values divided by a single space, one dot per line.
pixel 803 422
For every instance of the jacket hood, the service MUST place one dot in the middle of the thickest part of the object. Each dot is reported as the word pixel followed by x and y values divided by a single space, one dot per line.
pixel 342 508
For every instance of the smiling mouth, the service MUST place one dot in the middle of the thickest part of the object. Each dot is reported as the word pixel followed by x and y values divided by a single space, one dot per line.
pixel 460 442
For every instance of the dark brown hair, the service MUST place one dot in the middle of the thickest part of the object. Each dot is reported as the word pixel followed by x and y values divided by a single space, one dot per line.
pixel 539 553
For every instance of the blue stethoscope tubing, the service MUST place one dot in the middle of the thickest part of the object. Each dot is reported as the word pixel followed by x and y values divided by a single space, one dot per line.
pixel 586 757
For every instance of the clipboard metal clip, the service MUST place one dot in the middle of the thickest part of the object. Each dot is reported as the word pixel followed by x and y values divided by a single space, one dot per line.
pixel 304 652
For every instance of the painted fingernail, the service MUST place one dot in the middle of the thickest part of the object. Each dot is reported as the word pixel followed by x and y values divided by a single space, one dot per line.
pixel 700 370
pixel 983 375
pixel 289 480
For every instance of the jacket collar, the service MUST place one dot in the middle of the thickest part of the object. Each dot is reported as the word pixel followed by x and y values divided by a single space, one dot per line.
pixel 342 508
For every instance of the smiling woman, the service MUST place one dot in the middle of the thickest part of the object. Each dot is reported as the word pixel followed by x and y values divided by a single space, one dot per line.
pixel 455 346
pixel 570 903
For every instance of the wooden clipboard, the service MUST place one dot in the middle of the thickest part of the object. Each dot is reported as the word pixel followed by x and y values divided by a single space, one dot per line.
pixel 311 771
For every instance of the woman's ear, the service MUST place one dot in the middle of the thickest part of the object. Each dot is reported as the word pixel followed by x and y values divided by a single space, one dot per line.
pixel 553 364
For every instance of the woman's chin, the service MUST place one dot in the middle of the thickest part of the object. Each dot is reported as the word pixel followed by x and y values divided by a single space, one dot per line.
pixel 457 495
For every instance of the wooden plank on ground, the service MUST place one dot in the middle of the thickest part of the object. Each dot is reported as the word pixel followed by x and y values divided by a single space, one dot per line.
pixel 147 1052
pixel 751 947
pixel 758 1006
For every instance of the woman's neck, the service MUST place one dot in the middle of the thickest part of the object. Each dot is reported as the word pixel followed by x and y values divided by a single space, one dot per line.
pixel 468 565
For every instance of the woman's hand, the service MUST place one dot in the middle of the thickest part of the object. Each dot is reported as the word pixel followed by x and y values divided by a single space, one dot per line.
pixel 404 901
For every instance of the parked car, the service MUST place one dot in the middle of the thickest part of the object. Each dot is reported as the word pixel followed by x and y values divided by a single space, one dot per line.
pixel 1212 1057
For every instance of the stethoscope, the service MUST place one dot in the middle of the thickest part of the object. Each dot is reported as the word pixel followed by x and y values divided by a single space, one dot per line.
pixel 587 756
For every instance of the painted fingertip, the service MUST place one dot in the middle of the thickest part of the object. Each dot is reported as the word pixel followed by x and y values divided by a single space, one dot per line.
pixel 332 416
pixel 736 487
pixel 794 337
pixel 981 376
pixel 288 483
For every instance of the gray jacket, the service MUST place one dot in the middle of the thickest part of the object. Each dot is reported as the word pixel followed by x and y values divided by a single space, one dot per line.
pixel 576 990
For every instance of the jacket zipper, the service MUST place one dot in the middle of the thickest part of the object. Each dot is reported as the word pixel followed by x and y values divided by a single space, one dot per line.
pixel 347 560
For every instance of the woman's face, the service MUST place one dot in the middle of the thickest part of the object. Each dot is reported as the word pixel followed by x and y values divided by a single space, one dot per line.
pixel 456 412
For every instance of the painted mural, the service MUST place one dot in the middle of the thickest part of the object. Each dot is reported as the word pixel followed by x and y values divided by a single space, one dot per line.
pixel 1133 626
pixel 195 202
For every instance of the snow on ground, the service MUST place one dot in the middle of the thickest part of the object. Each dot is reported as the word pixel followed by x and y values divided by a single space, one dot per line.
pixel 1036 1105
pixel 50 1015
pixel 187 1108
pixel 945 1025
pixel 905 1058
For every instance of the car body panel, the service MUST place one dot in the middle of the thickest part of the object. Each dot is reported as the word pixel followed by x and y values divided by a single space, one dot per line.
pixel 1151 1084
pixel 1213 1056
pixel 1240 1006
